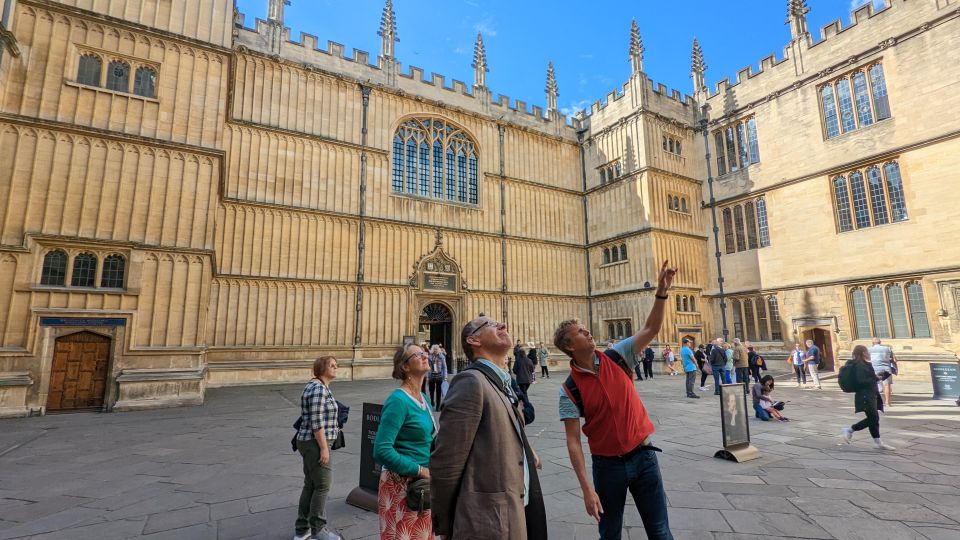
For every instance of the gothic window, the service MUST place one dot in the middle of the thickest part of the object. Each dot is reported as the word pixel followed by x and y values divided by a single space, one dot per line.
pixel 862 97
pixel 721 159
pixel 113 270
pixel 874 196
pixel 751 225
pixel 676 203
pixel 678 148
pixel 683 205
pixel 693 303
pixel 895 187
pixel 679 304
pixel 845 100
pixel 145 82
pixel 728 230
pixel 903 302
pixel 860 101
pixel 664 143
pixel 879 88
pixel 878 201
pixel 752 139
pixel 670 145
pixel 420 172
pixel 737 319
pixel 738 221
pixel 842 201
pixel 88 72
pixel 606 255
pixel 628 328
pixel 742 146
pixel 731 149
pixel 860 209
pixel 670 202
pixel 829 111
pixel 84 270
pixel 615 254
pixel 762 225
pixel 898 312
pixel 918 311
pixel 617 167
pixel 761 320
pixel 750 322
pixel 611 330
pixel 776 334
pixel 623 252
pixel 878 312
pixel 737 146
pixel 861 319
pixel 686 303
pixel 54 270
pixel 118 76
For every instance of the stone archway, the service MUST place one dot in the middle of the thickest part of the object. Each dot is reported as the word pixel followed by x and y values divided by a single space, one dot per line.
pixel 435 325
pixel 78 377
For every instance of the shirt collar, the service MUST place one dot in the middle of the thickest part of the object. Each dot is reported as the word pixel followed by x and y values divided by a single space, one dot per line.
pixel 596 365
pixel 504 376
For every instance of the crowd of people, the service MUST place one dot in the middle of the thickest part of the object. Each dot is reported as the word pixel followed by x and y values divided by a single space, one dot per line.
pixel 471 470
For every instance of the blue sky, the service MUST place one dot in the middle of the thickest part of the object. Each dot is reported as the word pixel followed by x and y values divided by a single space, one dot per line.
pixel 587 43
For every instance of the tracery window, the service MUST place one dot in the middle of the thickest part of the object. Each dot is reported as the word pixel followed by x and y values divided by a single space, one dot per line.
pixel 746 226
pixel 757 318
pixel 615 253
pixel 54 270
pixel 889 310
pixel 84 270
pixel 873 196
pixel 610 171
pixel 88 71
pixel 118 76
pixel 619 329
pixel 686 303
pixel 860 102
pixel 454 153
pixel 145 82
pixel 737 146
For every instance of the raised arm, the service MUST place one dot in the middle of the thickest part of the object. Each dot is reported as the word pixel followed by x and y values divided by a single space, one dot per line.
pixel 462 411
pixel 655 319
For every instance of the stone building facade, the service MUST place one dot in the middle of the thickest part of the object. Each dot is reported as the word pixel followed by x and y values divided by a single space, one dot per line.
pixel 189 201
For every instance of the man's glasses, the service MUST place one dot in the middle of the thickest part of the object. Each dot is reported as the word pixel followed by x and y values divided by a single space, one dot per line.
pixel 486 323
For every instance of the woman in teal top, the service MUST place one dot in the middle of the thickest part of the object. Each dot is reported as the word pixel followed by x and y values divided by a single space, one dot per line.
pixel 402 446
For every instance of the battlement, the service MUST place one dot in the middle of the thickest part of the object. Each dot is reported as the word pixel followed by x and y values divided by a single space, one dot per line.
pixel 657 96
pixel 389 73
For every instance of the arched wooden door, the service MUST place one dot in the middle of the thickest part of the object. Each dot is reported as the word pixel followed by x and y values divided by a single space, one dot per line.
pixel 78 379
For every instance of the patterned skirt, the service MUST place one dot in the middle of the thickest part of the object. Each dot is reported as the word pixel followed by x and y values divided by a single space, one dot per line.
pixel 397 522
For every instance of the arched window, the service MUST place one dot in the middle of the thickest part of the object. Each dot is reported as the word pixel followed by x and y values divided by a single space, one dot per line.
pixel 676 203
pixel 118 76
pixel 88 71
pixel 424 149
pixel 860 316
pixel 737 319
pixel 614 254
pixel 686 304
pixel 761 319
pixel 664 142
pixel 611 330
pixel 145 82
pixel 623 252
pixel 842 199
pixel 829 105
pixel 879 87
pixel 84 270
pixel 762 225
pixel 113 270
pixel 728 230
pixel 862 97
pixel 620 330
pixel 845 99
pixel 776 334
pixel 693 303
pixel 670 203
pixel 878 199
pixel 751 225
pixel 860 209
pixel 618 168
pixel 918 311
pixel 678 147
pixel 669 145
pixel 679 303
pixel 683 205
pixel 738 220
pixel 54 268
pixel 898 312
pixel 898 205
pixel 878 310
pixel 606 255
pixel 628 329
pixel 751 333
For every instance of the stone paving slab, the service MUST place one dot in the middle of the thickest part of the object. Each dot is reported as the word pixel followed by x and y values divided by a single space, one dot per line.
pixel 224 470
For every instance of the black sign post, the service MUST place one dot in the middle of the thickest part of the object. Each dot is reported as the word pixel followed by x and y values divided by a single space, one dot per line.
pixel 946 380
pixel 734 424
pixel 365 495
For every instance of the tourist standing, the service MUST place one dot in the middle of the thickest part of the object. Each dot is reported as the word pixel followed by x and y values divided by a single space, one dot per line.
pixel 648 356
pixel 517 352
pixel 438 374
pixel 796 360
pixel 882 359
pixel 402 446
pixel 600 389
pixel 728 367
pixel 523 369
pixel 867 399
pixel 813 359
pixel 740 361
pixel 701 355
pixel 318 430
pixel 532 357
pixel 483 471
pixel 669 359
pixel 718 360
pixel 689 367
pixel 542 356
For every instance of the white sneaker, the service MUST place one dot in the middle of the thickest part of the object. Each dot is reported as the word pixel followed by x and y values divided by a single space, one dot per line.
pixel 883 446
pixel 304 536
pixel 847 434
pixel 703 388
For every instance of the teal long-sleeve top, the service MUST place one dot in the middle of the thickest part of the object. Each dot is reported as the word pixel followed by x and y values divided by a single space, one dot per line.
pixel 405 434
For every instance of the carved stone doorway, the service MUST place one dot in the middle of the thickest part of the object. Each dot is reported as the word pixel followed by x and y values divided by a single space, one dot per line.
pixel 436 327
pixel 79 375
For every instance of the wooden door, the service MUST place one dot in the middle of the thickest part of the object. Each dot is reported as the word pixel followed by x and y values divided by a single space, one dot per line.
pixel 79 376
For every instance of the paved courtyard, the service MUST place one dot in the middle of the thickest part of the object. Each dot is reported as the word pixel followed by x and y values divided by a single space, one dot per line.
pixel 225 470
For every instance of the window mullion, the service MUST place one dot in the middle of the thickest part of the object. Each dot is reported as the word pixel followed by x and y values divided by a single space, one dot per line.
pixel 886 305
pixel 68 277
pixel 766 307
pixel 869 302
pixel 886 189
pixel 98 273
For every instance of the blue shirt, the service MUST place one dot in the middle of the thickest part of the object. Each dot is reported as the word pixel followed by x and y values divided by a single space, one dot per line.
pixel 569 410
pixel 505 377
pixel 689 364
pixel 814 352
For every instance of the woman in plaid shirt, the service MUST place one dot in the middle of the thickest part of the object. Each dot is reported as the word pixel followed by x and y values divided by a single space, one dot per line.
pixel 318 430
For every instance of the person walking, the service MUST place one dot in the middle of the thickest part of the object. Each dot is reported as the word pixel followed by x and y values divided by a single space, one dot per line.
pixel 523 369
pixel 867 399
pixel 542 356
pixel 318 430
pixel 812 359
pixel 740 361
pixel 483 472
pixel 756 363
pixel 402 446
pixel 648 356
pixel 669 359
pixel 883 361
pixel 701 355
pixel 438 374
pixel 796 360
pixel 618 429
pixel 718 360
pixel 689 367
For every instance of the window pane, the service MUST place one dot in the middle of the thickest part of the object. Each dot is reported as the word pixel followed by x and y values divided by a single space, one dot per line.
pixel 397 184
pixel 861 321
pixel 145 82
pixel 88 71
pixel 693 303
pixel 762 320
pixel 751 226
pixel 751 324
pixel 473 179
pixel 731 149
pixel 113 269
pixel 898 312
pixel 752 137
pixel 623 252
pixel 606 256
pixel 54 270
pixel 762 222
pixel 411 167
pixel 437 170
pixel 424 170
pixel 84 270
pixel 669 202
pixel 451 177
pixel 878 200
pixel 462 183
pixel 878 310
pixel 686 304
pixel 918 311
pixel 846 105
pixel 879 87
pixel 742 146
pixel 118 76
pixel 611 330
pixel 629 328
pixel 614 255
pixel 829 111
pixel 737 321
pixel 859 200
pixel 842 199
pixel 860 92
pixel 895 187
pixel 738 220
pixel 776 334
pixel 721 160
pixel 728 230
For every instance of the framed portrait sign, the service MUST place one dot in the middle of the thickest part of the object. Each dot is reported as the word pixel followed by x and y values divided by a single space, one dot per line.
pixel 733 416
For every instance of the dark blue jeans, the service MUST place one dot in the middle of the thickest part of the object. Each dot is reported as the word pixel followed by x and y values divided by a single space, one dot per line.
pixel 761 413
pixel 717 379
pixel 640 474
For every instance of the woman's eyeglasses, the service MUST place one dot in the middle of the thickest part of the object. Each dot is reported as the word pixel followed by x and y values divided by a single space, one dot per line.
pixel 421 354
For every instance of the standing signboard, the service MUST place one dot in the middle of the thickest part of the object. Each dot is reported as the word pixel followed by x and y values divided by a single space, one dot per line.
pixel 946 380
pixel 735 426
pixel 365 494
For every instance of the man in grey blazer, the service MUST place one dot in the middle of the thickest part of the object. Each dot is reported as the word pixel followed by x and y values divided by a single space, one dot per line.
pixel 483 471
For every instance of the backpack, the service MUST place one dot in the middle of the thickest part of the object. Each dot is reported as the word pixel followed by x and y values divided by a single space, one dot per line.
pixel 571 386
pixel 847 377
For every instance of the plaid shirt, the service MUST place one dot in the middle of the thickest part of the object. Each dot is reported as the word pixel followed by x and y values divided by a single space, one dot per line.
pixel 318 410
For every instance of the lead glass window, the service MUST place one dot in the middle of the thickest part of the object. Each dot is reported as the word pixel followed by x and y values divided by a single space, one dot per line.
pixel 762 225
pixel 918 311
pixel 895 186
pixel 731 149
pixel 88 71
pixel 397 164
pixel 860 209
pixel 861 319
pixel 721 160
pixel 728 231
pixel 754 143
pixel 751 225
pixel 878 310
pixel 748 317
pixel 761 320
pixel 114 267
pixel 845 99
pixel 776 333
pixel 452 166
pixel 84 270
pixel 118 76
pixel 437 170
pixel 829 111
pixel 742 146
pixel 623 252
pixel 145 82
pixel 738 222
pixel 842 199
pixel 862 98
pixel 898 312
pixel 737 319
pixel 879 87
pixel 606 256
pixel 54 271
pixel 878 201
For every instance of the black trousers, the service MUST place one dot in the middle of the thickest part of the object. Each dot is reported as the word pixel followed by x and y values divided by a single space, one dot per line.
pixel 436 393
pixel 648 369
pixel 703 375
pixel 755 373
pixel 871 422
pixel 524 387
pixel 544 372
